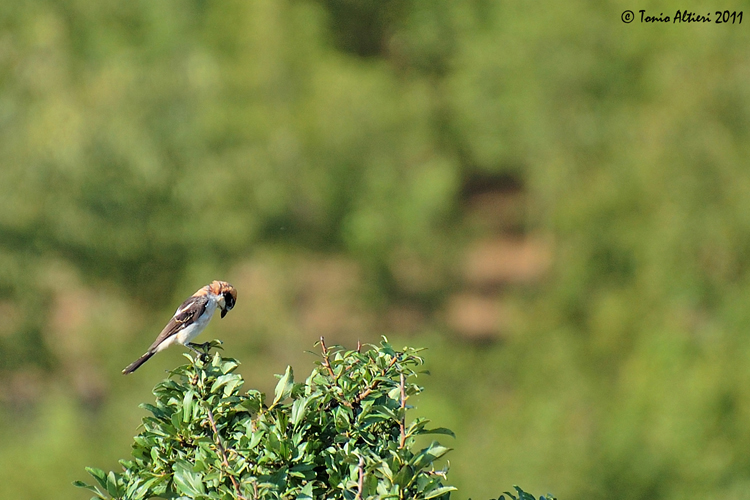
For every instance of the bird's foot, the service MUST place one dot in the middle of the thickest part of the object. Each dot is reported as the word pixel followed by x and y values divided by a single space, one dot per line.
pixel 203 352
pixel 203 349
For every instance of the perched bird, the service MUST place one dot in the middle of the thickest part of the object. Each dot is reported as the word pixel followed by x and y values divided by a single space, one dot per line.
pixel 190 319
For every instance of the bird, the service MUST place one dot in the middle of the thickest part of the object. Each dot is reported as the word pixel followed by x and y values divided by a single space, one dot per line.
pixel 190 319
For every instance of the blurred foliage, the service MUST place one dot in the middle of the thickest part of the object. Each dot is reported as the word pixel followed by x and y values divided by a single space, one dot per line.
pixel 147 148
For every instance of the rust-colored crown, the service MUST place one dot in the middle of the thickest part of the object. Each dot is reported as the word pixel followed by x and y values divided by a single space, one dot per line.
pixel 221 287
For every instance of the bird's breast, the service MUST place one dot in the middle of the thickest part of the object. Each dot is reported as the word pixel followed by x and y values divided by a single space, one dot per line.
pixel 188 333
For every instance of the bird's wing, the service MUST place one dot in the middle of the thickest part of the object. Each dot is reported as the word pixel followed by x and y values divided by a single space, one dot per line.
pixel 186 314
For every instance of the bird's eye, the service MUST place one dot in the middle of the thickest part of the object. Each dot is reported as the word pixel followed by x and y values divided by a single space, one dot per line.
pixel 229 300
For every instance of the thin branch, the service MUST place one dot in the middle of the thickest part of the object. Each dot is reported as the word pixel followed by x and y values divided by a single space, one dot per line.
pixel 361 480
pixel 223 452
pixel 402 423
pixel 326 362
pixel 390 365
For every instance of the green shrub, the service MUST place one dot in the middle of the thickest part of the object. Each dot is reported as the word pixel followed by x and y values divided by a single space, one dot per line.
pixel 341 434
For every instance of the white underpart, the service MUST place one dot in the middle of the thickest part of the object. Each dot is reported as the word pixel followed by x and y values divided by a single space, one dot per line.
pixel 188 333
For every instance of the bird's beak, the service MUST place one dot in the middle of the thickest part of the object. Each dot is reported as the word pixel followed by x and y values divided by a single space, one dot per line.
pixel 224 312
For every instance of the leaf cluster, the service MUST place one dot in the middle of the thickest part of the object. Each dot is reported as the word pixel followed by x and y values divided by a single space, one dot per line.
pixel 340 434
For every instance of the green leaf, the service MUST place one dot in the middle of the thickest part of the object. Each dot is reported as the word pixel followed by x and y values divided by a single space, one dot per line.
pixel 187 405
pixel 440 491
pixel 306 493
pixel 99 475
pixel 112 485
pixel 186 481
pixel 284 387
pixel 251 404
pixel 404 476
pixel 176 418
pixel 428 455
pixel 94 489
pixel 229 380
pixel 229 389
pixel 158 413
pixel 438 430
pixel 228 365
pixel 216 344
pixel 298 410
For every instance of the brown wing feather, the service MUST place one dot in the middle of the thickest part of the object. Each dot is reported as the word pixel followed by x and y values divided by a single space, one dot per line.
pixel 191 308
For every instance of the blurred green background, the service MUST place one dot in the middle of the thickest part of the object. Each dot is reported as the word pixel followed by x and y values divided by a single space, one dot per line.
pixel 555 203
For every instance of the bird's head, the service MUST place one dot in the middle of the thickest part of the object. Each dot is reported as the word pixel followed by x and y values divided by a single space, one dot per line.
pixel 227 295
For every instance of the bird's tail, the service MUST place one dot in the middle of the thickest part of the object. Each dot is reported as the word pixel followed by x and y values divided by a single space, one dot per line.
pixel 138 362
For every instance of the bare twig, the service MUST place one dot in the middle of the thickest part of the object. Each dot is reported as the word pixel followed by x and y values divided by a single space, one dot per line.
pixel 361 480
pixel 223 452
pixel 390 365
pixel 326 361
pixel 402 423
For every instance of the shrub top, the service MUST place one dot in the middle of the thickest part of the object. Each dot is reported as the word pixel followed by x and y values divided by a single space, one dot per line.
pixel 340 434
